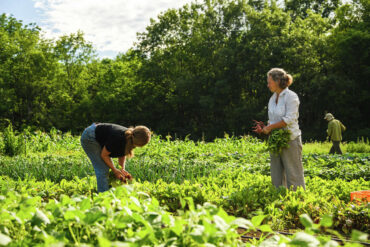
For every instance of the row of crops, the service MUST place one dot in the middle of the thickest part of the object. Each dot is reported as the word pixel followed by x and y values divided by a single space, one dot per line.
pixel 185 193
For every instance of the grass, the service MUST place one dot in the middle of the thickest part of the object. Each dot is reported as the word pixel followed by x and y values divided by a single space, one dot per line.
pixel 347 147
pixel 317 147
pixel 176 161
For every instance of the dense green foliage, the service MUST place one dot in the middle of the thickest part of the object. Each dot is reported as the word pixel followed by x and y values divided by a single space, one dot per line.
pixel 57 156
pixel 199 70
pixel 126 216
pixel 48 194
pixel 359 147
pixel 230 172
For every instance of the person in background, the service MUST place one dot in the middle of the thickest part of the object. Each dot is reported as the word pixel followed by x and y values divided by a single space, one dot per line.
pixel 286 167
pixel 334 131
pixel 103 141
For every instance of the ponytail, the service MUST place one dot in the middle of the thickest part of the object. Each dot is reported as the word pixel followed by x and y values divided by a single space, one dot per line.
pixel 290 79
pixel 140 135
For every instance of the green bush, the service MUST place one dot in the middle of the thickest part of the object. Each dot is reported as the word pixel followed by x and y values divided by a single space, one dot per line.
pixel 361 146
pixel 12 144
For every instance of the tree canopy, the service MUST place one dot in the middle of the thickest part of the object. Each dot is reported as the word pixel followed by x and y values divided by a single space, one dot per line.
pixel 199 70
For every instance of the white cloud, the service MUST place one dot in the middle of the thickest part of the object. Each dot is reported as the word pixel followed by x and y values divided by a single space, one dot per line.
pixel 111 25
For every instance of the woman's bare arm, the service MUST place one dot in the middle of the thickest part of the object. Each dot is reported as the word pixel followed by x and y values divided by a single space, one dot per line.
pixel 108 161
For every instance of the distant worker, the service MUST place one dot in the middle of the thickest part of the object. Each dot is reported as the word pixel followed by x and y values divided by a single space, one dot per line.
pixel 335 129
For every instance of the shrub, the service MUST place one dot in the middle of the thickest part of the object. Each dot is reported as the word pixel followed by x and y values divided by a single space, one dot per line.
pixel 13 144
pixel 361 146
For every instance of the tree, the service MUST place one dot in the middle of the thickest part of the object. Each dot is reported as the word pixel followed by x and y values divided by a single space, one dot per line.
pixel 301 8
pixel 73 54
pixel 25 72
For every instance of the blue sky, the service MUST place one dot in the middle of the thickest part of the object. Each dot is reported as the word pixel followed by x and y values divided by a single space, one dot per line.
pixel 20 9
pixel 111 25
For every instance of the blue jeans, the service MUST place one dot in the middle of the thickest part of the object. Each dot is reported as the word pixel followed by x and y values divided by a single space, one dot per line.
pixel 93 149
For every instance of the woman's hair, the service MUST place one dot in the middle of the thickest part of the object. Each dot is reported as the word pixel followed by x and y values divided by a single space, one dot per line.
pixel 140 135
pixel 283 79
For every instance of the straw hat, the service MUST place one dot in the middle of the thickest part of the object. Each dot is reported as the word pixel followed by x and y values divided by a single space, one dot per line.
pixel 329 116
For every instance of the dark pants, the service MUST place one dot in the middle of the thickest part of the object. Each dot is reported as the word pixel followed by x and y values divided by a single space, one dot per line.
pixel 335 148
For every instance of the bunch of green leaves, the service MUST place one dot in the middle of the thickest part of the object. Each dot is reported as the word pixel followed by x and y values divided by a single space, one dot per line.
pixel 115 182
pixel 278 140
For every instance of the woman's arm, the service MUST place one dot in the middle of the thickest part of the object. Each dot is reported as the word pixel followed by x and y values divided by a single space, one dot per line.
pixel 108 161
pixel 122 161
pixel 267 129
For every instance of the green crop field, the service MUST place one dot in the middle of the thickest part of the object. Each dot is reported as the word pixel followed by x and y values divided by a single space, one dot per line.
pixel 184 193
pixel 200 74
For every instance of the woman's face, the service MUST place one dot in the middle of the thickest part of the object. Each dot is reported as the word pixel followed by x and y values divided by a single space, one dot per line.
pixel 272 85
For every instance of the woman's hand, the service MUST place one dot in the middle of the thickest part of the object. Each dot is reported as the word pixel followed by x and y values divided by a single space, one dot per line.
pixel 266 130
pixel 118 174
pixel 258 126
pixel 126 174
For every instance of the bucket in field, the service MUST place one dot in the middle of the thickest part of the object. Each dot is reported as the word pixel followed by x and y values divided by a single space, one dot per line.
pixel 362 195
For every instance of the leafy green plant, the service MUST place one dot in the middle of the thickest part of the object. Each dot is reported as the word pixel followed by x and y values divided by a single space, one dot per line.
pixel 278 140
pixel 114 182
pixel 13 144
pixel 361 146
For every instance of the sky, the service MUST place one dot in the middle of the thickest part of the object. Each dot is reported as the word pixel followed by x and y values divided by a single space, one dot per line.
pixel 111 25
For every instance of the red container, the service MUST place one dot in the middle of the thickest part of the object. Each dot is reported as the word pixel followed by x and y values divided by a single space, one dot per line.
pixel 362 195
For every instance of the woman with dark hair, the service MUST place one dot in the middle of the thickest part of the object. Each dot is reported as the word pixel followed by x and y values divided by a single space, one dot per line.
pixel 103 141
pixel 286 167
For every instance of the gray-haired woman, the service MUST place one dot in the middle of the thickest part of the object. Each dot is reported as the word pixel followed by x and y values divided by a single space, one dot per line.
pixel 286 167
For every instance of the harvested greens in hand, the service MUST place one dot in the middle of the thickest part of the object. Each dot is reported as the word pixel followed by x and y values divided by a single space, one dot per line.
pixel 278 140
pixel 114 182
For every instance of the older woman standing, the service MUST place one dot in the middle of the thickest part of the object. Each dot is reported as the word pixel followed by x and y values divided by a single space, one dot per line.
pixel 104 141
pixel 286 167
